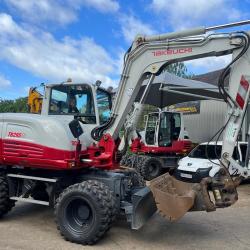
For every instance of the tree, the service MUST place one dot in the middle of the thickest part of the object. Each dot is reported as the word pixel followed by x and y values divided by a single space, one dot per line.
pixel 14 106
pixel 178 69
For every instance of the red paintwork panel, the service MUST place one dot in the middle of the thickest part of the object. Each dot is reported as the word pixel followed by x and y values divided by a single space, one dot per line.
pixel 178 147
pixel 17 152
pixel 26 154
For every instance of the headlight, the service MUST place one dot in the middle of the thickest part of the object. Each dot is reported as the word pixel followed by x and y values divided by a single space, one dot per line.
pixel 204 172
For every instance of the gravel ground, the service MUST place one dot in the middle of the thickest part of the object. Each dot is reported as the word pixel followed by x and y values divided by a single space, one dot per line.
pixel 32 227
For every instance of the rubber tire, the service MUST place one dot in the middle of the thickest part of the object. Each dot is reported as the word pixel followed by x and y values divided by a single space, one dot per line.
pixel 138 180
pixel 145 168
pixel 98 199
pixel 114 206
pixel 140 160
pixel 40 193
pixel 129 161
pixel 5 203
pixel 134 160
pixel 124 159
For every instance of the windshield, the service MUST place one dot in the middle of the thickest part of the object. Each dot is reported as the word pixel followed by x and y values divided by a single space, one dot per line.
pixel 206 152
pixel 73 100
pixel 200 152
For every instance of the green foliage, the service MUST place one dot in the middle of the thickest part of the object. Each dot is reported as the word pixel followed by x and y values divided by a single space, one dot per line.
pixel 14 106
pixel 178 69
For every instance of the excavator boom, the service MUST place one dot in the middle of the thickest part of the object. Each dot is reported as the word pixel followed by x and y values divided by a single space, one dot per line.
pixel 149 56
pixel 175 197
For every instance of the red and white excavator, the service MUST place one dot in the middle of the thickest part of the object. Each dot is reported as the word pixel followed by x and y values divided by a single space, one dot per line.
pixel 68 157
pixel 159 146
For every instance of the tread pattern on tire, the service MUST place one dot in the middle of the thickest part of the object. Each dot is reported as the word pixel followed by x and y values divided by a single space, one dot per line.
pixel 109 193
pixel 103 197
pixel 5 203
pixel 144 167
pixel 140 162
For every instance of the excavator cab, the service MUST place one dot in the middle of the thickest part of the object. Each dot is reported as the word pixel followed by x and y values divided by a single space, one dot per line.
pixel 164 129
pixel 70 99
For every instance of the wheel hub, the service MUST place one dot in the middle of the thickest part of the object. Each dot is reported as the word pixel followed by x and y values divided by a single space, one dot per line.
pixel 153 169
pixel 83 212
pixel 79 214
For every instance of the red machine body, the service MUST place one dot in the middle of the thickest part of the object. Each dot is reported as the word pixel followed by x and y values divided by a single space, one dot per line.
pixel 177 147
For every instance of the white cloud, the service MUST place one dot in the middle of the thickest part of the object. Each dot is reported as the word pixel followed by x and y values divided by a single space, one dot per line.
pixel 208 64
pixel 59 11
pixel 132 26
pixel 39 11
pixel 4 83
pixel 181 14
pixel 41 54
pixel 100 5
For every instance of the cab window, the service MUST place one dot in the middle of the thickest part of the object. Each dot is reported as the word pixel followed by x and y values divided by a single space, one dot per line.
pixel 176 126
pixel 170 127
pixel 151 128
pixel 104 105
pixel 243 148
pixel 73 100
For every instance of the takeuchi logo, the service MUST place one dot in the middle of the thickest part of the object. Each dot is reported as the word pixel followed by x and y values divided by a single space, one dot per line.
pixel 15 134
pixel 172 51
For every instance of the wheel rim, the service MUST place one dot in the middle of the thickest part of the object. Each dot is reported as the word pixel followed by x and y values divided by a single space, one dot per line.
pixel 153 170
pixel 79 215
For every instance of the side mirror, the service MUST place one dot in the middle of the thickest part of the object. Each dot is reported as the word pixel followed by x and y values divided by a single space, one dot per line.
pixel 75 128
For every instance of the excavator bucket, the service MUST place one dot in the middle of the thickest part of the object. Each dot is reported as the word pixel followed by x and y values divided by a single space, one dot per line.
pixel 173 197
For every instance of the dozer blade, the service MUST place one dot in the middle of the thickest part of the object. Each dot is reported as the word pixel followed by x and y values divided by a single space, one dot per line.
pixel 173 198
pixel 143 207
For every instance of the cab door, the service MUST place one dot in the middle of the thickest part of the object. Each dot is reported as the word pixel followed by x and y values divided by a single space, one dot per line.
pixel 151 129
pixel 169 128
pixel 104 105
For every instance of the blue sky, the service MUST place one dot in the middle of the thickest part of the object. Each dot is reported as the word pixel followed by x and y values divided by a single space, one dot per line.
pixel 52 40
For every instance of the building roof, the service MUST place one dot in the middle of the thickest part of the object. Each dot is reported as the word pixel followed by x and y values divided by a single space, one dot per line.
pixel 168 89
pixel 210 77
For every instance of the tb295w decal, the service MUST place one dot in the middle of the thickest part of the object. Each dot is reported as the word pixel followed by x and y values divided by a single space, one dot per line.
pixel 15 134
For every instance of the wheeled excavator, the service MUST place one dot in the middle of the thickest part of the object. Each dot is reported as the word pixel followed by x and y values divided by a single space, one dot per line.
pixel 162 145
pixel 159 146
pixel 66 157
